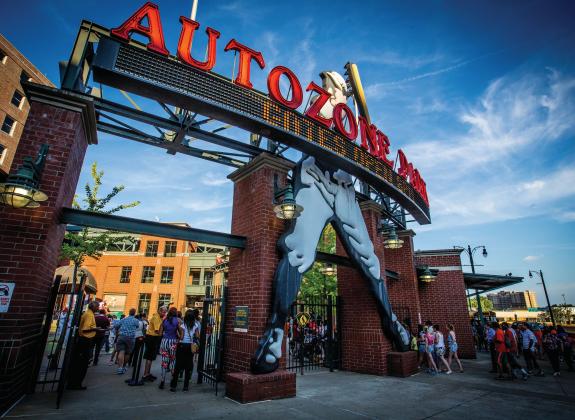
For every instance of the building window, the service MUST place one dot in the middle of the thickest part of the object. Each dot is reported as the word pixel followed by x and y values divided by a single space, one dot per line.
pixel 164 299
pixel 2 153
pixel 24 77
pixel 2 57
pixel 167 275
pixel 17 99
pixel 208 277
pixel 194 276
pixel 126 274
pixel 144 303
pixel 8 125
pixel 151 249
pixel 170 248
pixel 148 274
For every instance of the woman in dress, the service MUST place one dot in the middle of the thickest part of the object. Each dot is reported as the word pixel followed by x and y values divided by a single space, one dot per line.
pixel 171 333
pixel 452 344
pixel 184 356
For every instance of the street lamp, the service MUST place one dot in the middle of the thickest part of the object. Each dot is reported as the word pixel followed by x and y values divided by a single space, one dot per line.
pixel 470 251
pixel 540 274
pixel 327 270
pixel 286 207
pixel 393 241
pixel 426 276
pixel 21 189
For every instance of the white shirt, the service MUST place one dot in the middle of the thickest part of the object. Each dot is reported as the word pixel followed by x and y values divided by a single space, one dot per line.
pixel 188 335
pixel 140 331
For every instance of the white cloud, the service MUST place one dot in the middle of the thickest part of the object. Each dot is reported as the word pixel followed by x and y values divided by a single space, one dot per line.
pixel 491 171
pixel 212 179
pixel 531 258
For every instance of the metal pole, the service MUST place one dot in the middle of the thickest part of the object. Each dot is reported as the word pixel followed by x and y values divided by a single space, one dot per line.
pixel 547 297
pixel 479 308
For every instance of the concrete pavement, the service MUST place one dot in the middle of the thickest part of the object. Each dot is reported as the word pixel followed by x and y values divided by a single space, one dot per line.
pixel 339 395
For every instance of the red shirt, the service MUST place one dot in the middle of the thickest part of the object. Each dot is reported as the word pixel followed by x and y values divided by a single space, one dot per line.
pixel 500 341
pixel 511 338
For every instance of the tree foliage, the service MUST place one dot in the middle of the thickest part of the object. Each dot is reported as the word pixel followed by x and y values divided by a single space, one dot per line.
pixel 486 304
pixel 315 283
pixel 90 243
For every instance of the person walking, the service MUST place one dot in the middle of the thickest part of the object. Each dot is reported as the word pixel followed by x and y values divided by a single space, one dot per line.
pixel 453 347
pixel 567 347
pixel 126 331
pixel 171 333
pixel 529 343
pixel 101 338
pixel 502 349
pixel 185 350
pixel 421 342
pixel 440 348
pixel 152 342
pixel 430 350
pixel 83 347
pixel 489 337
pixel 511 344
pixel 553 347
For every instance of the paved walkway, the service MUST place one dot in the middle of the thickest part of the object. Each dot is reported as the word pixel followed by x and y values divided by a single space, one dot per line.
pixel 339 395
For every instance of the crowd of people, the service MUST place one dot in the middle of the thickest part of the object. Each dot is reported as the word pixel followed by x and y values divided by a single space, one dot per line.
pixel 436 354
pixel 508 342
pixel 175 338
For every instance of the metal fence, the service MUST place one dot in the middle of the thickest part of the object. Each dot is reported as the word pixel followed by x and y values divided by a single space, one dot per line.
pixel 313 337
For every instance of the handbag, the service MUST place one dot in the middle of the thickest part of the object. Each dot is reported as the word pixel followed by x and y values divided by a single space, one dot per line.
pixel 195 347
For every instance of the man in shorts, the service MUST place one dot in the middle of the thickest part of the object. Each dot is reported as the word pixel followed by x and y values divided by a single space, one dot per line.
pixel 152 342
pixel 126 339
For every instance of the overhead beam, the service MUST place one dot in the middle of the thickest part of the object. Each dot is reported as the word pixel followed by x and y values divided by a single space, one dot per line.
pixel 146 227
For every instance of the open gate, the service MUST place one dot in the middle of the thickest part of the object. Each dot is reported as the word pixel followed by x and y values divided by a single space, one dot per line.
pixel 313 335
pixel 59 331
pixel 212 337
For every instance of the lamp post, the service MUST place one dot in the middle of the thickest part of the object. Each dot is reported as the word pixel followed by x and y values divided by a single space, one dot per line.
pixel 470 251
pixel 540 274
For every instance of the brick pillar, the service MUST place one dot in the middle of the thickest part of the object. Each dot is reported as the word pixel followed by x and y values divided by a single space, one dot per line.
pixel 30 239
pixel 364 345
pixel 404 292
pixel 444 300
pixel 251 271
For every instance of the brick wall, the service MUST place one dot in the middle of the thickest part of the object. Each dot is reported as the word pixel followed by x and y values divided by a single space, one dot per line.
pixel 404 292
pixel 30 241
pixel 444 300
pixel 251 271
pixel 364 345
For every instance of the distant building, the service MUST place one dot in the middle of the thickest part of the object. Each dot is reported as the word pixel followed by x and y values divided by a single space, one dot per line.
pixel 147 272
pixel 14 69
pixel 513 300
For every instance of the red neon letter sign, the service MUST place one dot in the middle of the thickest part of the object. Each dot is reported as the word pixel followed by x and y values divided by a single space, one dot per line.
pixel 246 57
pixel 185 45
pixel 368 136
pixel 274 87
pixel 383 144
pixel 153 32
pixel 338 121
pixel 320 100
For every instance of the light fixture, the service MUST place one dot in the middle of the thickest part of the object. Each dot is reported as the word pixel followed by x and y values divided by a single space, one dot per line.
pixel 21 189
pixel 484 252
pixel 393 242
pixel 426 276
pixel 328 270
pixel 287 208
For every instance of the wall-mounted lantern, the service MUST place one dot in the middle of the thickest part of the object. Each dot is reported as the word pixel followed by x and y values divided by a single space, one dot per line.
pixel 285 206
pixel 393 241
pixel 21 189
pixel 426 275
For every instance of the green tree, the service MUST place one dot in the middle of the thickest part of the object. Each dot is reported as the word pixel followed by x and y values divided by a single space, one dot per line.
pixel 89 243
pixel 486 304
pixel 316 282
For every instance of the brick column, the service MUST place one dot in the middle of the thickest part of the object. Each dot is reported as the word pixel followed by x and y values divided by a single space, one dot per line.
pixel 443 301
pixel 30 239
pixel 251 271
pixel 404 292
pixel 364 345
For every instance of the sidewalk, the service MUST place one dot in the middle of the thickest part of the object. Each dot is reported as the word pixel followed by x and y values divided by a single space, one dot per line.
pixel 339 395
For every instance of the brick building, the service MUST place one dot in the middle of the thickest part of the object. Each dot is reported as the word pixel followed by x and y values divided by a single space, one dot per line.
pixel 146 272
pixel 14 69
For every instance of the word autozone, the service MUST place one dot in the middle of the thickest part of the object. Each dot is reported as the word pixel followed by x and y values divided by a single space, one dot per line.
pixel 372 139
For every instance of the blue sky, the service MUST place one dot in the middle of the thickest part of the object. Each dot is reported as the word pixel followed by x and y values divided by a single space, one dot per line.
pixel 480 95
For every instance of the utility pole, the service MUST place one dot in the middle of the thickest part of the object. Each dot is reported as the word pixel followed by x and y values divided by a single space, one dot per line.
pixel 540 273
pixel 470 252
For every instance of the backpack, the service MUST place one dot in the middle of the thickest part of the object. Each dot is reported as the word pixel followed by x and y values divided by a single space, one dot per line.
pixel 550 343
pixel 414 343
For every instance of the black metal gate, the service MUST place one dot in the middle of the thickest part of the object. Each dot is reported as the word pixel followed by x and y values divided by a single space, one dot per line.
pixel 212 337
pixel 313 336
pixel 61 322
